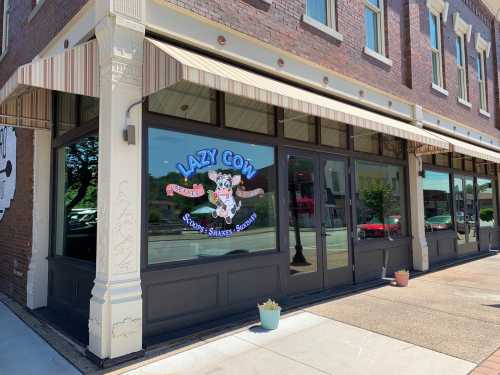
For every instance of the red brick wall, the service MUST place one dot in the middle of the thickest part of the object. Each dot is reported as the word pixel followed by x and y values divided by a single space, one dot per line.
pixel 16 225
pixel 26 39
pixel 410 75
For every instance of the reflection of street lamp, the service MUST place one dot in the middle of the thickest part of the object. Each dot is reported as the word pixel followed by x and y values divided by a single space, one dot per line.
pixel 8 169
pixel 298 258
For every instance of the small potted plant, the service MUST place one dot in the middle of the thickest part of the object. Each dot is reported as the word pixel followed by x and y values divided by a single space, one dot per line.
pixel 402 277
pixel 269 313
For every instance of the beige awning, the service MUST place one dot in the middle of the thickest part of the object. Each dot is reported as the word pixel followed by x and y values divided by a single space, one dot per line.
pixel 166 65
pixel 25 99
pixel 470 149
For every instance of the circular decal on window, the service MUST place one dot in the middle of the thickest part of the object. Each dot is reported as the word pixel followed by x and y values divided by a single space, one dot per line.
pixel 7 167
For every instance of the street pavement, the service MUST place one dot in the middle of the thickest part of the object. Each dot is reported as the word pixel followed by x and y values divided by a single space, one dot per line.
pixel 23 352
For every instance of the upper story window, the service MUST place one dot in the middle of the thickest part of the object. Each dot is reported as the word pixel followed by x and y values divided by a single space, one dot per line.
pixel 5 27
pixel 438 13
pixel 321 15
pixel 322 11
pixel 483 51
pixel 374 26
pixel 463 31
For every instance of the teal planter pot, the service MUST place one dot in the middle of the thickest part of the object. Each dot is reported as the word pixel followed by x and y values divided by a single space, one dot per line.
pixel 269 319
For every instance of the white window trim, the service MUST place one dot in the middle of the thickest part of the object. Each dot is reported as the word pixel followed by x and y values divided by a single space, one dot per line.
pixel 5 29
pixel 439 7
pixel 482 45
pixel 483 107
pixel 324 28
pixel 485 113
pixel 461 27
pixel 331 21
pixel 464 102
pixel 462 69
pixel 439 51
pixel 381 28
pixel 439 89
pixel 377 56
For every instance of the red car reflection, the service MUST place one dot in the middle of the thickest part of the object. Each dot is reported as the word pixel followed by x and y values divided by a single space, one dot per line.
pixel 375 228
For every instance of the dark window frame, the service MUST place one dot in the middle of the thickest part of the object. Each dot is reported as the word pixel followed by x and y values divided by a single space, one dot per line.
pixel 83 130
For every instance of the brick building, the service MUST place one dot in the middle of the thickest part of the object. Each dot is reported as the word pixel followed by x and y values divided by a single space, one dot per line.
pixel 178 161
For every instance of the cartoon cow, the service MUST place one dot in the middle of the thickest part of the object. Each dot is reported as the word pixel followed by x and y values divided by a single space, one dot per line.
pixel 222 197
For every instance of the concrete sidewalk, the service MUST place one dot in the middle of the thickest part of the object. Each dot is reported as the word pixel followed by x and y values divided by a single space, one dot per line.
pixel 307 344
pixel 23 352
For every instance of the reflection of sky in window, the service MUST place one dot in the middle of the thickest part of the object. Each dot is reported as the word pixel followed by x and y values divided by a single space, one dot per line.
pixel 437 181
pixel 167 148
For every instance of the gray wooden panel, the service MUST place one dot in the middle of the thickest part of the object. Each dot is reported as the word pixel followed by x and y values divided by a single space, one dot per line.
pixel 252 283
pixel 174 298
pixel 442 247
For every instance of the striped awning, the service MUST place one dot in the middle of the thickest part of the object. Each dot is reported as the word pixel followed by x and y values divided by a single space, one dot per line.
pixel 469 149
pixel 25 99
pixel 165 65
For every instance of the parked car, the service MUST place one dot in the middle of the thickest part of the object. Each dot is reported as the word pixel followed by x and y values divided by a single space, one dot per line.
pixel 375 228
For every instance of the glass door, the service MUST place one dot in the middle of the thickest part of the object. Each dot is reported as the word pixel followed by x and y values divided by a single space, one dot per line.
pixel 465 215
pixel 303 229
pixel 335 227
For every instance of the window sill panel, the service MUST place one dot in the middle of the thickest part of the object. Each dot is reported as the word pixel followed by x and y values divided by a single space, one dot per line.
pixel 323 28
pixel 484 113
pixel 439 89
pixel 464 102
pixel 377 56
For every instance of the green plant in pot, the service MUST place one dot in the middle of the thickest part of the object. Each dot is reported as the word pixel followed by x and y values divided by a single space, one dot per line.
pixel 269 313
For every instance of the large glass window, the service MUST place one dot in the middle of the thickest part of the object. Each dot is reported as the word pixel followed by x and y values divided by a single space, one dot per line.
pixel 246 114
pixel 486 196
pixel 481 79
pixel 185 100
pixel 322 11
pixel 366 140
pixel 208 197
pixel 437 201
pixel 380 201
pixel 435 39
pixel 333 133
pixel 374 25
pixel 300 126
pixel 392 146
pixel 461 68
pixel 76 203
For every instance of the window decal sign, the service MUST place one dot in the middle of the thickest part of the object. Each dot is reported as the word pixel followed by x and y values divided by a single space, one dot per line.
pixel 224 196
pixel 7 167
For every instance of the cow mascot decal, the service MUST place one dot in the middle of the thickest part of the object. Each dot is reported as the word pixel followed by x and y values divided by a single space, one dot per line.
pixel 223 197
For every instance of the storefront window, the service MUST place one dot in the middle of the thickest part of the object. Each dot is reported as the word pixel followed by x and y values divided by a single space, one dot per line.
pixel 333 133
pixel 487 202
pixel 392 147
pixel 458 161
pixel 89 109
pixel 249 115
pixel 76 203
pixel 380 201
pixel 365 140
pixel 186 100
pixel 437 201
pixel 481 166
pixel 442 160
pixel 300 126
pixel 67 116
pixel 427 159
pixel 468 163
pixel 491 169
pixel 208 197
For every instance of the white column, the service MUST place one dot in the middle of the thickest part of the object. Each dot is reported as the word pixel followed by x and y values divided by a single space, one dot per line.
pixel 419 242
pixel 38 268
pixel 115 323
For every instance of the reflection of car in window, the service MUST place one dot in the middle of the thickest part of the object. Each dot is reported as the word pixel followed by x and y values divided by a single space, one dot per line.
pixel 439 222
pixel 375 228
